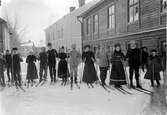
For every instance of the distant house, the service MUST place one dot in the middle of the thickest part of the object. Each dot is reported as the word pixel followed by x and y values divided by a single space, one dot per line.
pixel 4 36
pixel 67 30
pixel 113 21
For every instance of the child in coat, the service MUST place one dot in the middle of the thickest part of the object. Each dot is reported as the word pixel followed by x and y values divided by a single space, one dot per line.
pixel 154 69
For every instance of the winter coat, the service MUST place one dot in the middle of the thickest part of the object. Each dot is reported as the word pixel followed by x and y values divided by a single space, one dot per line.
pixel 16 59
pixel 117 76
pixel 144 57
pixel 154 68
pixel 2 66
pixel 8 58
pixel 103 58
pixel 31 67
pixel 134 58
pixel 52 54
pixel 43 59
pixel 74 59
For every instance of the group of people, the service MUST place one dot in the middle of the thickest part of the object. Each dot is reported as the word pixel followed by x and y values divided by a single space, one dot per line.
pixel 105 59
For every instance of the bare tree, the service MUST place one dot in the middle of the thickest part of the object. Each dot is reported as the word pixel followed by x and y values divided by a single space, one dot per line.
pixel 17 31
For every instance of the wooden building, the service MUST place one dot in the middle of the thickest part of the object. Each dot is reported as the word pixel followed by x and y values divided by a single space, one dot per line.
pixel 112 21
pixel 4 36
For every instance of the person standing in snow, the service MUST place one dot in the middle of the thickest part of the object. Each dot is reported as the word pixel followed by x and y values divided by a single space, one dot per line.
pixel 75 57
pixel 2 66
pixel 43 64
pixel 89 73
pixel 63 66
pixel 16 66
pixel 117 77
pixel 144 58
pixel 154 68
pixel 52 54
pixel 8 58
pixel 103 64
pixel 31 68
pixel 133 55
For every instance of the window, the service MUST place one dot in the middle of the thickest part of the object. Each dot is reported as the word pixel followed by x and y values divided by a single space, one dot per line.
pixel 95 23
pixel 88 25
pixel 111 17
pixel 163 5
pixel 133 10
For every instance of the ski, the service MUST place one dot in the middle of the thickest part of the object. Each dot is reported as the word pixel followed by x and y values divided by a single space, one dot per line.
pixel 38 83
pixel 126 91
pixel 105 88
pixel 22 88
pixel 143 91
pixel 77 85
pixel 43 83
pixel 109 87
pixel 121 91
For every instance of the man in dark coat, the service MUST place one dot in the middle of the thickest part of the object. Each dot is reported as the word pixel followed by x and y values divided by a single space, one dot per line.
pixel 2 63
pixel 8 58
pixel 52 54
pixel 43 64
pixel 144 58
pixel 133 55
pixel 16 66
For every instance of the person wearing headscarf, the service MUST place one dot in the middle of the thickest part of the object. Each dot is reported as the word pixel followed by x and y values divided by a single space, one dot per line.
pixel 63 66
pixel 154 68
pixel 31 68
pixel 134 58
pixel 89 73
pixel 117 77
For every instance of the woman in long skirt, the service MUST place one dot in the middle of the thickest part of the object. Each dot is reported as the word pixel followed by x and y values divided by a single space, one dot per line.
pixel 117 77
pixel 89 74
pixel 63 66
pixel 31 68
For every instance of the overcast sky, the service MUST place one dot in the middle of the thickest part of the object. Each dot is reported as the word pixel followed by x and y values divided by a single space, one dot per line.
pixel 36 15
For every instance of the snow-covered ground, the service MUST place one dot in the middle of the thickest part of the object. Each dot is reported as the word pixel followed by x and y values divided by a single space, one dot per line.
pixel 60 100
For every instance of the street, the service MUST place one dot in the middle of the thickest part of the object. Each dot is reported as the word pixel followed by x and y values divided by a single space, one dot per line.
pixel 60 100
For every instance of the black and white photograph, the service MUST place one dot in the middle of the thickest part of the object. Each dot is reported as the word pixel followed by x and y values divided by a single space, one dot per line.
pixel 83 57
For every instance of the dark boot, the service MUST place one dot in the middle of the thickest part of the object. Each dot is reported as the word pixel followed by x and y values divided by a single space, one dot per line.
pixel 138 85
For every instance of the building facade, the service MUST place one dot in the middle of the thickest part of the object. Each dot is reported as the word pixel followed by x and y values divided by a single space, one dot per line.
pixel 4 36
pixel 113 21
pixel 67 30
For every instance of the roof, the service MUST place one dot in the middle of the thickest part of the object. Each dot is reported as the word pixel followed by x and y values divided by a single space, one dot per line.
pixel 2 20
pixel 91 8
pixel 78 11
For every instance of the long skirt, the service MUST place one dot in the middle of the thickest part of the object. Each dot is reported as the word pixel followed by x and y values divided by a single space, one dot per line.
pixel 117 76
pixel 63 69
pixel 31 71
pixel 89 74
pixel 153 72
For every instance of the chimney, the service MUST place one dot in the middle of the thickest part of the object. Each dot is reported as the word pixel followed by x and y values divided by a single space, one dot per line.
pixel 81 3
pixel 72 8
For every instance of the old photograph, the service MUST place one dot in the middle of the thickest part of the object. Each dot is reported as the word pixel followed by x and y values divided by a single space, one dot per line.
pixel 83 57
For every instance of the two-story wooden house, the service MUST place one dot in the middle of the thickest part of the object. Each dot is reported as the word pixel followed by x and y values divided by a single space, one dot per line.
pixel 112 21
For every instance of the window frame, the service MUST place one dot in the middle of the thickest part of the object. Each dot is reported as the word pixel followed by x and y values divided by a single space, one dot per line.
pixel 111 15
pixel 88 25
pixel 162 6
pixel 133 5
pixel 95 23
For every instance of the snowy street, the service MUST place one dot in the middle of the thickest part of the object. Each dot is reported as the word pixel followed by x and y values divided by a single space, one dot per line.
pixel 60 100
